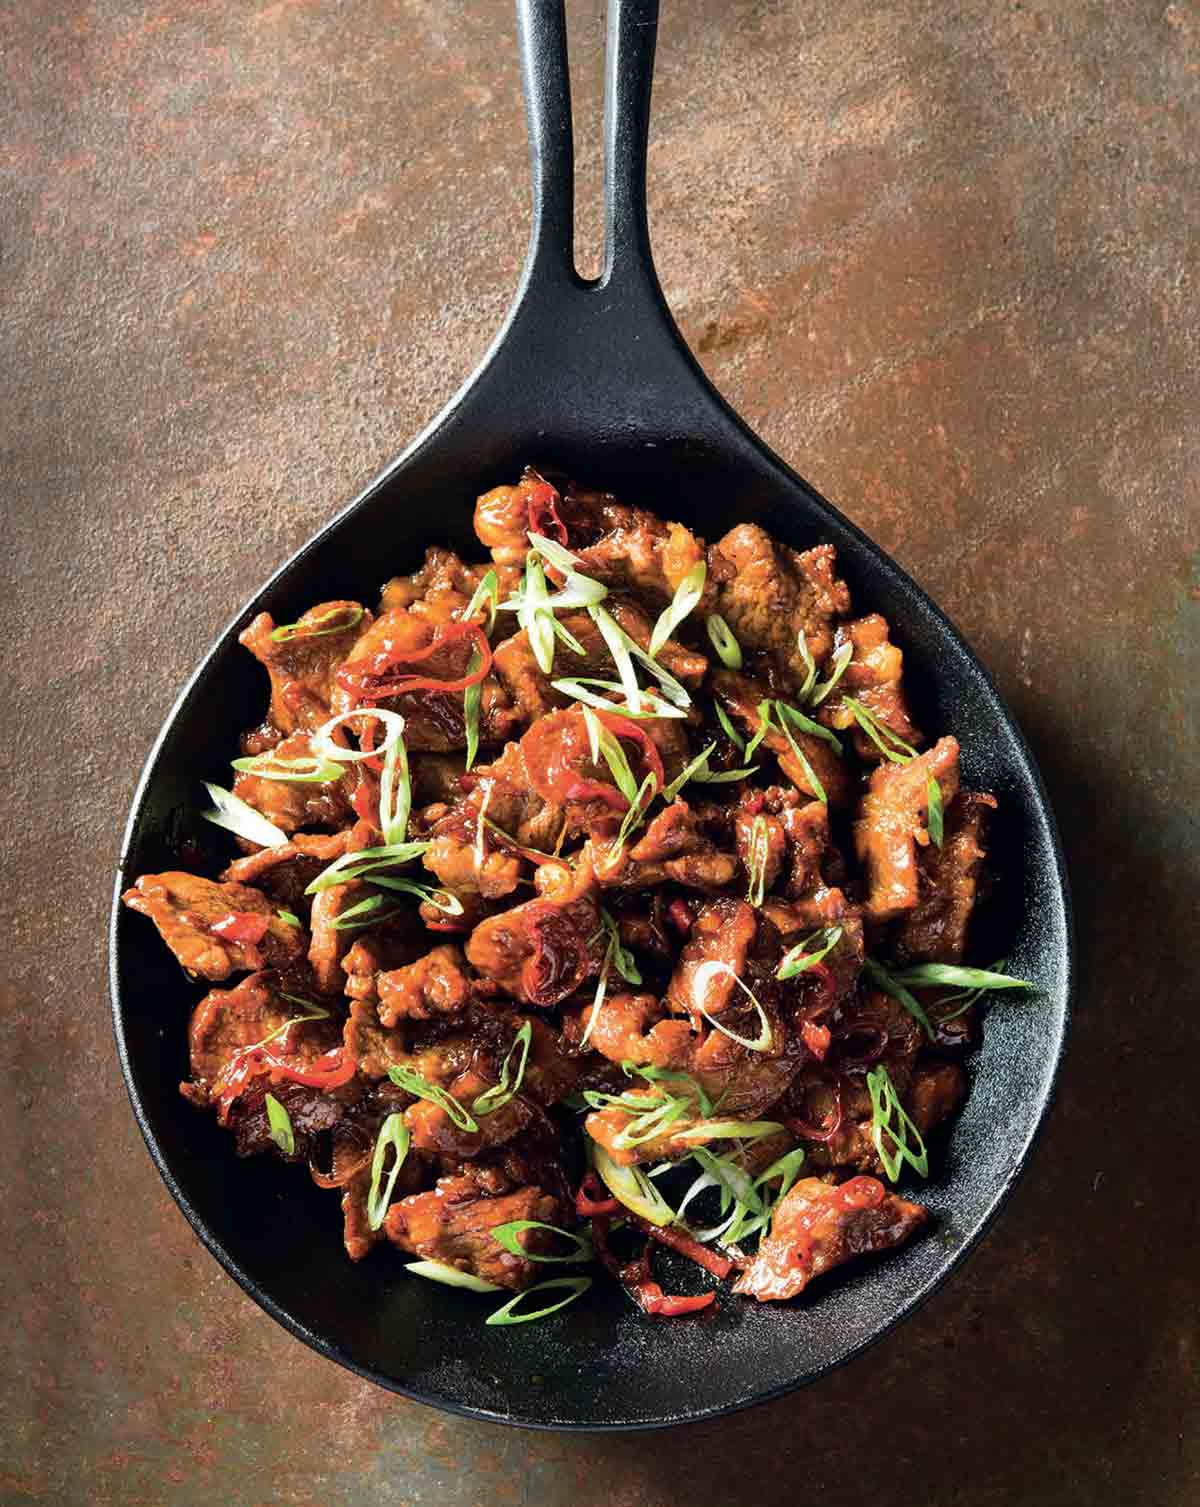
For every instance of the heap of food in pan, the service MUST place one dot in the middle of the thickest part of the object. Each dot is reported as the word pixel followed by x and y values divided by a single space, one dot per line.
pixel 602 897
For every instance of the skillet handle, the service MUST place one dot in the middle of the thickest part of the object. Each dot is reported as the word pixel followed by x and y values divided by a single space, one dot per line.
pixel 629 74
pixel 542 38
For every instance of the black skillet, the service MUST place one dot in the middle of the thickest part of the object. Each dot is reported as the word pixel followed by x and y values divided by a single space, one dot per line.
pixel 594 379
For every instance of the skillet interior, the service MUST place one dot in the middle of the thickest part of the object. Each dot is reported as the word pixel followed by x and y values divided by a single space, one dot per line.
pixel 595 380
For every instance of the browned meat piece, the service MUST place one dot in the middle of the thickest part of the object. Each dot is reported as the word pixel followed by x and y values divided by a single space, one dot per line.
pixel 503 519
pixel 309 853
pixel 936 1091
pixel 453 855
pixel 947 880
pixel 436 984
pixel 724 932
pixel 302 668
pixel 818 1227
pixel 373 1046
pixel 873 677
pixel 636 1028
pixel 435 1131
pixel 330 943
pixel 741 697
pixel 377 952
pixel 629 547
pixel 768 593
pixel 514 804
pixel 891 823
pixel 310 1111
pixel 675 847
pixel 807 829
pixel 440 591
pixel 436 777
pixel 767 850
pixel 228 1020
pixel 201 921
pixel 452 1224
pixel 294 805
pixel 433 720
pixel 353 1147
pixel 541 952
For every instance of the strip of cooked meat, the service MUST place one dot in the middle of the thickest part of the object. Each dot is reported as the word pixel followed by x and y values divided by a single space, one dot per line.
pixel 818 1227
pixel 436 984
pixel 540 952
pixel 741 697
pixel 874 677
pixel 935 930
pixel 630 547
pixel 892 823
pixel 440 591
pixel 453 1225
pixel 202 923
pixel 769 594
pixel 302 668
pixel 292 805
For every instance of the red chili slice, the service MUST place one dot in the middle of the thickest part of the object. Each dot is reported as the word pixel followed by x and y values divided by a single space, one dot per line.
pixel 597 790
pixel 624 727
pixel 679 915
pixel 861 1193
pixel 816 1038
pixel 711 1261
pixel 825 1132
pixel 244 926
pixel 358 680
pixel 651 1298
pixel 560 960
pixel 638 1280
pixel 327 1072
pixel 592 1198
pixel 544 499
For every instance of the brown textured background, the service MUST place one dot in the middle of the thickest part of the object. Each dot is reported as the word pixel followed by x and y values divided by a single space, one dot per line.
pixel 944 259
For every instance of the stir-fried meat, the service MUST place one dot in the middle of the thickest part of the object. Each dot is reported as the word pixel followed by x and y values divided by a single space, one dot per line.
pixel 818 1227
pixel 769 594
pixel 302 668
pixel 292 806
pixel 453 1225
pixel 436 984
pixel 894 813
pixel 935 930
pixel 214 929
pixel 491 1012
pixel 227 1021
pixel 540 952
pixel 741 697
pixel 874 678
pixel 629 547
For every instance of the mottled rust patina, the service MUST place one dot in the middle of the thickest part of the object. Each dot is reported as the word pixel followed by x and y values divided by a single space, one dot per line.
pixel 944 259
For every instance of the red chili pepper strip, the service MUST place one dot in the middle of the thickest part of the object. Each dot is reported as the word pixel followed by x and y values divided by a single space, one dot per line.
pixel 327 1072
pixel 637 1280
pixel 651 1299
pixel 816 1038
pixel 597 790
pixel 352 678
pixel 365 801
pixel 624 727
pixel 447 926
pixel 861 1193
pixel 720 1266
pixel 590 1200
pixel 245 926
pixel 544 497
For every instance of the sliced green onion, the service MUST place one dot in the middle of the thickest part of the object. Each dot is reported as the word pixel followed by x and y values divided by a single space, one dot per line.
pixel 730 1130
pixel 500 832
pixel 810 773
pixel 598 998
pixel 652 704
pixel 506 1236
pixel 575 1288
pixel 652 1124
pixel 786 1168
pixel 960 978
pixel 810 666
pixel 633 1101
pixel 395 792
pixel 654 1074
pixel 623 959
pixel 615 635
pixel 472 701
pixel 611 633
pixel 556 554
pixel 934 821
pixel 438 1271
pixel 631 1186
pixel 318 1012
pixel 500 1093
pixel 842 657
pixel 729 651
pixel 889 744
pixel 885 1105
pixel 700 981
pixel 232 813
pixel 968 997
pixel 724 776
pixel 603 742
pixel 632 820
pixel 805 724
pixel 353 616
pixel 280 1123
pixel 728 728
pixel 892 987
pixel 364 861
pixel 535 617
pixel 569 639
pixel 731 1177
pixel 444 900
pixel 421 1088
pixel 687 594
pixel 799 958
pixel 290 918
pixel 321 742
pixel 365 913
pixel 301 771
pixel 764 727
pixel 697 766
pixel 757 867
pixel 487 591
pixel 481 825
pixel 394 1133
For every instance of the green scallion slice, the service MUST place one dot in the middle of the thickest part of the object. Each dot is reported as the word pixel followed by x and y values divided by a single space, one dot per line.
pixel 810 773
pixel 394 1133
pixel 288 917
pixel 234 815
pixel 438 1271
pixel 350 618
pixel 692 771
pixel 728 728
pixel 687 594
pixel 804 955
pixel 934 822
pixel 889 744
pixel 421 1088
pixel 757 866
pixel 841 658
pixel 500 1093
pixel 506 1236
pixel 574 1287
pixel 299 771
pixel 280 1123
pixel 700 981
pixel 720 635
pixel 892 986
pixel 631 1186
pixel 888 1118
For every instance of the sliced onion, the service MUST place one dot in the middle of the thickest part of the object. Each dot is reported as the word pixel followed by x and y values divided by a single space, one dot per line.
pixel 232 813
pixel 700 981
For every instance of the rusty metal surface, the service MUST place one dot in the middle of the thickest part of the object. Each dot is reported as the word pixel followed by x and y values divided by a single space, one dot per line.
pixel 944 259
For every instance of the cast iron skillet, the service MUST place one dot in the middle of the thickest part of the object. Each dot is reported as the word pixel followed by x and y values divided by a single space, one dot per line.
pixel 595 379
